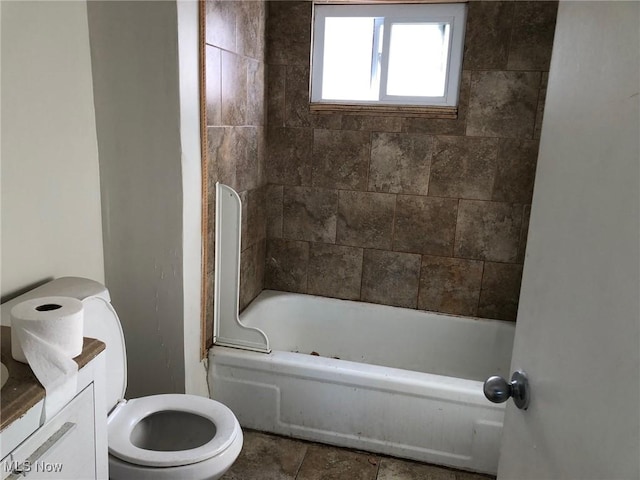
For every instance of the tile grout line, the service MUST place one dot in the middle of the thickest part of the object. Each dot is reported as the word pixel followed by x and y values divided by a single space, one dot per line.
pixel 306 451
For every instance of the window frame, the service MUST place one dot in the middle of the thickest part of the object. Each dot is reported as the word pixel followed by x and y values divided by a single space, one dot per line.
pixel 455 13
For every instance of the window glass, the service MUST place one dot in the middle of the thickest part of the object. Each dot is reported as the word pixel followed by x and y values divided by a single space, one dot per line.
pixel 348 58
pixel 418 54
pixel 418 64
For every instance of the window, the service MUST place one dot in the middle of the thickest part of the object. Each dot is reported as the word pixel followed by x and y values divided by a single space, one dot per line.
pixel 402 54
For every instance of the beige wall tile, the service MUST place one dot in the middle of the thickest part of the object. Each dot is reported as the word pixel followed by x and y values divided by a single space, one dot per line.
pixel 276 77
pixel 488 231
pixel 463 167
pixel 425 225
pixel 254 225
pixel 256 93
pixel 534 25
pixel 390 278
pixel 487 35
pixel 274 207
pixel 296 96
pixel 365 219
pixel 310 213
pixel 340 159
pixel 289 32
pixel 251 31
pixel 500 291
pixel 503 104
pixel 251 273
pixel 370 123
pixel 517 160
pixel 245 152
pixel 289 155
pixel 335 271
pixel 286 265
pixel 450 285
pixel 234 89
pixel 219 151
pixel 400 163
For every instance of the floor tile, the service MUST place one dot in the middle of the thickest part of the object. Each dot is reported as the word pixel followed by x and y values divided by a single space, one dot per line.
pixel 328 463
pixel 267 457
pixel 460 475
pixel 272 457
pixel 395 469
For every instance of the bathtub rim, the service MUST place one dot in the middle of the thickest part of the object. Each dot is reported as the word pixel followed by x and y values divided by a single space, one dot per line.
pixel 269 295
pixel 485 348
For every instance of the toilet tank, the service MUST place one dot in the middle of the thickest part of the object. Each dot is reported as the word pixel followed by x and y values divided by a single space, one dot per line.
pixel 75 287
pixel 100 321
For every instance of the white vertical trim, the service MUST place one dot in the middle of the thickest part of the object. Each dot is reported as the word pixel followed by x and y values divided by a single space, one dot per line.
pixel 456 52
pixel 384 60
pixel 317 57
pixel 195 373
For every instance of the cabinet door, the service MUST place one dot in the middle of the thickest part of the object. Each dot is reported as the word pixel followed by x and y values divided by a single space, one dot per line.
pixel 63 448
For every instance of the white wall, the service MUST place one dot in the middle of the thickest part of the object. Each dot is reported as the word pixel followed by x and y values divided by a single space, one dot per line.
pixel 51 220
pixel 134 48
pixel 146 77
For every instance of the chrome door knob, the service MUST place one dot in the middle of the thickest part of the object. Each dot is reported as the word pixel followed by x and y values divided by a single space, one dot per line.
pixel 498 390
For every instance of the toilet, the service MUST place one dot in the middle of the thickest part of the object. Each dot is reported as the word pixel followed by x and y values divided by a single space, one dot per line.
pixel 168 436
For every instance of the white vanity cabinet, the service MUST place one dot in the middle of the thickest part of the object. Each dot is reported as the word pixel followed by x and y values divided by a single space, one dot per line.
pixel 72 445
pixel 63 448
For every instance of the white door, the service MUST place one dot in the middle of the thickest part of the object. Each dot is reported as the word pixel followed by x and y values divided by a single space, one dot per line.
pixel 578 322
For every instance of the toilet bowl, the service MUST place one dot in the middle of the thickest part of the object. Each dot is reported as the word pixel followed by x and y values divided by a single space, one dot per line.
pixel 168 436
pixel 172 436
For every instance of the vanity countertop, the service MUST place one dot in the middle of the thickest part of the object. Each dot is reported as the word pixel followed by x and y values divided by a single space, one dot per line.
pixel 22 390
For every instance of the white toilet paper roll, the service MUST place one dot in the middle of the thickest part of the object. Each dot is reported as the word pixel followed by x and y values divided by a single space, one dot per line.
pixel 54 321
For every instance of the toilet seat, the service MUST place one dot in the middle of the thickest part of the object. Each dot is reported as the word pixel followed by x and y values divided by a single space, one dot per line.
pixel 125 418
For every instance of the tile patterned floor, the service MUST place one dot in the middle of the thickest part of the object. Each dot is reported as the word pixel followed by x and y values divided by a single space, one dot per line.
pixel 271 457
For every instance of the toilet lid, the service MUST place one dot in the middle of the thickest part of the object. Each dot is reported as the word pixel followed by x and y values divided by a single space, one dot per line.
pixel 124 419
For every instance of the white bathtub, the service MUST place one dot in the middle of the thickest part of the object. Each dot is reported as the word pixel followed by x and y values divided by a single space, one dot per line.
pixel 405 383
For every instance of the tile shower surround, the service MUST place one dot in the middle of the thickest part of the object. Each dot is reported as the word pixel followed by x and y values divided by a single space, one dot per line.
pixel 236 103
pixel 408 211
